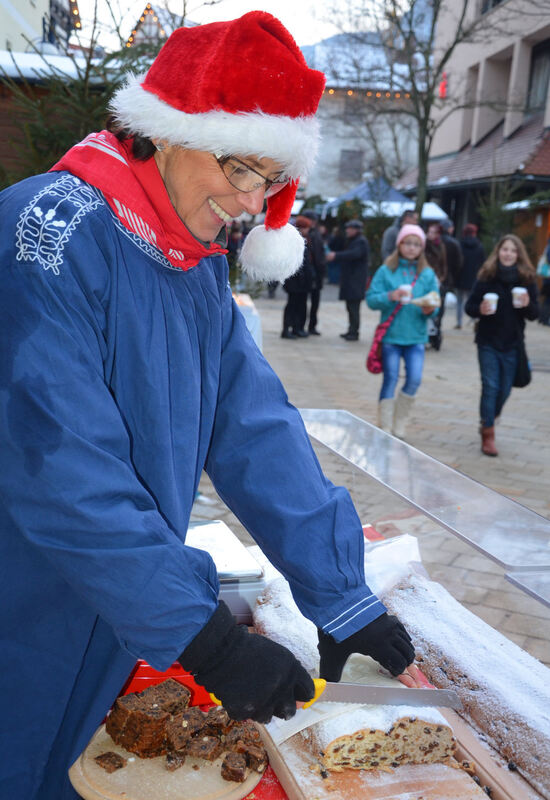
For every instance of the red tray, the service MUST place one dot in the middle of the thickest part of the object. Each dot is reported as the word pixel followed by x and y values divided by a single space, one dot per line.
pixel 144 675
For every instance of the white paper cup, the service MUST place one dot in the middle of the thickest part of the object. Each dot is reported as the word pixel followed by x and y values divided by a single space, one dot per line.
pixel 518 293
pixel 406 298
pixel 492 297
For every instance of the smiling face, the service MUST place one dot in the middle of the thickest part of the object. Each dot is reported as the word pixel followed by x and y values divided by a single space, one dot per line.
pixel 202 196
pixel 508 253
pixel 410 247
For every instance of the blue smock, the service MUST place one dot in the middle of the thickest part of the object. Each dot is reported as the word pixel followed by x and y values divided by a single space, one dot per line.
pixel 121 379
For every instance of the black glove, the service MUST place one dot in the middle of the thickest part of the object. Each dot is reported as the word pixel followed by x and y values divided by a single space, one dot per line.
pixel 253 677
pixel 385 639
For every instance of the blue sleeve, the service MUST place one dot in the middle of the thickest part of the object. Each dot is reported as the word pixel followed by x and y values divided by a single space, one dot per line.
pixel 264 468
pixel 66 473
pixel 378 291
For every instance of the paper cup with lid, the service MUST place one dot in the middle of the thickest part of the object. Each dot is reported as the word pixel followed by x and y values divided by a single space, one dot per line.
pixel 492 298
pixel 518 294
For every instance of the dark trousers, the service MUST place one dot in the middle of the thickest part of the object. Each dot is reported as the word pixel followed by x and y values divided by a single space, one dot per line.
pixel 353 307
pixel 315 297
pixel 295 311
pixel 497 377
pixel 436 339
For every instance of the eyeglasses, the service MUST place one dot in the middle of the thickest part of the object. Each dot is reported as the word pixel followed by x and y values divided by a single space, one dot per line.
pixel 246 179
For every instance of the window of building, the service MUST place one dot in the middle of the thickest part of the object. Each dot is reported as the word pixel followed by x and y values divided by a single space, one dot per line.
pixel 487 5
pixel 539 77
pixel 351 165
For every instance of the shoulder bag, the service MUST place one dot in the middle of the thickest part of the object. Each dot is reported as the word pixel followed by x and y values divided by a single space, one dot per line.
pixel 374 357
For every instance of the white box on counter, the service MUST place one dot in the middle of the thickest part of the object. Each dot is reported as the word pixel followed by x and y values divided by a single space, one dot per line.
pixel 241 577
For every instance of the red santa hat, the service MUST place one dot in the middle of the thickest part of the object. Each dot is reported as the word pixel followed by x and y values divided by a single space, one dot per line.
pixel 240 88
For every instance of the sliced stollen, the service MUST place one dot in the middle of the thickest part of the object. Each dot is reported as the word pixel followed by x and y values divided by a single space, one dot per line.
pixel 382 736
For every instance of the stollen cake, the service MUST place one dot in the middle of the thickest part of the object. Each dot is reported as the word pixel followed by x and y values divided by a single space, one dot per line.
pixel 505 692
pixel 382 736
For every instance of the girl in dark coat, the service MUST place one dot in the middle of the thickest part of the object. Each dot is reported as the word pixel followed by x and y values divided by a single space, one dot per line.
pixel 500 332
pixel 473 257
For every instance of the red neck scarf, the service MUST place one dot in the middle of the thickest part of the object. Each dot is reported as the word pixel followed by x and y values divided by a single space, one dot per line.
pixel 136 194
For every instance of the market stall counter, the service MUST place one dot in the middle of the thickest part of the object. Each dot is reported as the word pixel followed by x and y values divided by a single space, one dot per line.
pixel 296 771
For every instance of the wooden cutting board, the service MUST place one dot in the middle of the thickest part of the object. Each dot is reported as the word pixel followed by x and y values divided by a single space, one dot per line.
pixel 297 770
pixel 148 778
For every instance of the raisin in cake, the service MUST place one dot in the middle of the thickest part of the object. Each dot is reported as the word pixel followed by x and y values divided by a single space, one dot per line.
pixel 382 736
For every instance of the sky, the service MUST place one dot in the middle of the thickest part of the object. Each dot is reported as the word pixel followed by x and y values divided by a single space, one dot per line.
pixel 303 18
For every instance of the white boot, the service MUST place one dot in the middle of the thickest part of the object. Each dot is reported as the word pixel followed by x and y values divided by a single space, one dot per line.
pixel 403 407
pixel 385 414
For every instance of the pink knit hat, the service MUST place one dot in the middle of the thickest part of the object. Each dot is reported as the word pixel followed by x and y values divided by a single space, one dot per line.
pixel 411 230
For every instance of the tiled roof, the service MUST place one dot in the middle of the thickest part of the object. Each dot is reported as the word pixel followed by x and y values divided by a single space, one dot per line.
pixel 527 151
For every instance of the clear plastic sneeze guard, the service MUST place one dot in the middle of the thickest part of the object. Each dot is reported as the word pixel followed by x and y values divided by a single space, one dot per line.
pixel 512 535
pixel 537 584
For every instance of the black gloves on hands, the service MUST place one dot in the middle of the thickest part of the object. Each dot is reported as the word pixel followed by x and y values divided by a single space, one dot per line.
pixel 252 676
pixel 385 639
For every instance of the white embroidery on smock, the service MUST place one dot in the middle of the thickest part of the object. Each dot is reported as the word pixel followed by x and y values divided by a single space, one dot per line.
pixel 49 220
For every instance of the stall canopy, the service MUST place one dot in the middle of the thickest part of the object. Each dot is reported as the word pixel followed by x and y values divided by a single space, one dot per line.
pixel 379 199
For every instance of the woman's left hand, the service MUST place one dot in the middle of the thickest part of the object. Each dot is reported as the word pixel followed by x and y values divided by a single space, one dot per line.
pixel 525 300
pixel 412 678
pixel 427 309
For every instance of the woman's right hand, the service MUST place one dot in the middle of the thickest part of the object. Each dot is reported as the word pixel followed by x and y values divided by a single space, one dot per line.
pixel 397 294
pixel 252 676
pixel 485 307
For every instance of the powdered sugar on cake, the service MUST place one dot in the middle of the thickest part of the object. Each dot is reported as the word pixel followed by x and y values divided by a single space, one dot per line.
pixel 380 718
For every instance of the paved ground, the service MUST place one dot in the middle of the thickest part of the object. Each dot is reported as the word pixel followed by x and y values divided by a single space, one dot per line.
pixel 326 372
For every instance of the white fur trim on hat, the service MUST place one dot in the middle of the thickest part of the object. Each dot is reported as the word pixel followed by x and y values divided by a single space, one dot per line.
pixel 292 141
pixel 272 254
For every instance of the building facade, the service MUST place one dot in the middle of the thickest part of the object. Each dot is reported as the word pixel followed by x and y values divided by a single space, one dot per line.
pixel 29 24
pixel 494 125
pixel 357 141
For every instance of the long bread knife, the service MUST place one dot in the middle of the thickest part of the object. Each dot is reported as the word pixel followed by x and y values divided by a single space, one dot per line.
pixel 363 694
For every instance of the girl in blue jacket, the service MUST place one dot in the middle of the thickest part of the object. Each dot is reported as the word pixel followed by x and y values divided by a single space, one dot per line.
pixel 407 335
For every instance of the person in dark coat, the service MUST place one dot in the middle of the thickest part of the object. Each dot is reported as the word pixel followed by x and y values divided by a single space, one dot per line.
pixel 307 220
pixel 500 332
pixel 297 288
pixel 437 259
pixel 453 255
pixel 354 263
pixel 473 256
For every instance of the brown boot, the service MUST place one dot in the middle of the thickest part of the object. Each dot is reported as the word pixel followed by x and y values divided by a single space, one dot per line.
pixel 488 441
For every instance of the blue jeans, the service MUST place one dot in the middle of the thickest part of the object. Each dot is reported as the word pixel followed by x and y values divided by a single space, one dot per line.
pixel 413 356
pixel 497 376
pixel 461 297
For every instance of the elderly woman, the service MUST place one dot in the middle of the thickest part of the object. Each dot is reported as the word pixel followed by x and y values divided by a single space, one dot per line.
pixel 127 369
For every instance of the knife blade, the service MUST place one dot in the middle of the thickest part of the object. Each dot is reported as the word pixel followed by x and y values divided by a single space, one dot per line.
pixel 363 694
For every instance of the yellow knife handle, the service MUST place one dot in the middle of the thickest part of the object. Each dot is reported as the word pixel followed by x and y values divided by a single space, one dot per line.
pixel 320 686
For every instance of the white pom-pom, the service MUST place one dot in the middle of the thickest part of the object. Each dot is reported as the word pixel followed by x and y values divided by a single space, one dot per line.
pixel 272 254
